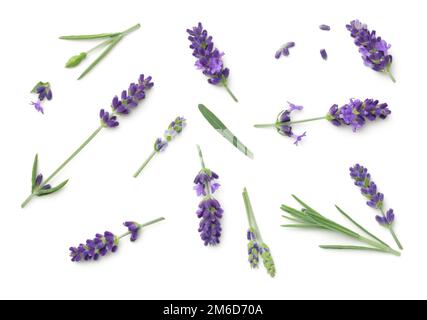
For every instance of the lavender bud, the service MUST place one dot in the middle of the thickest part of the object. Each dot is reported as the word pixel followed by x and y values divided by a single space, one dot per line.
pixel 76 60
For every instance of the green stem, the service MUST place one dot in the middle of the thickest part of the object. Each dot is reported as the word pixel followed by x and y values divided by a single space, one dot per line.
pixel 101 45
pixel 27 201
pixel 142 226
pixel 251 216
pixel 379 246
pixel 391 76
pixel 277 124
pixel 71 157
pixel 201 157
pixel 224 83
pixel 135 27
pixel 395 238
pixel 145 164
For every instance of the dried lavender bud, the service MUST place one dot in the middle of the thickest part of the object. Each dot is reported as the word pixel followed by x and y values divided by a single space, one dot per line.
pixel 324 54
pixel 356 112
pixel 325 27
pixel 284 50
pixel 209 58
pixel 369 189
pixel 373 49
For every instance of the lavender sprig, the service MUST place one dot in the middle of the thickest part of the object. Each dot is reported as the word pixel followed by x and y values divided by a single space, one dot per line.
pixel 102 244
pixel 209 58
pixel 354 114
pixel 210 211
pixel 129 101
pixel 369 189
pixel 43 91
pixel 174 129
pixel 256 246
pixel 112 39
pixel 373 49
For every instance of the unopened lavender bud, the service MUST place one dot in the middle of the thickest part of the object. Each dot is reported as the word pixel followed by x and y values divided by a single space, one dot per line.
pixel 75 60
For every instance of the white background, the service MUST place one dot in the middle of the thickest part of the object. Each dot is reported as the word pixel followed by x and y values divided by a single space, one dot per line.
pixel 170 261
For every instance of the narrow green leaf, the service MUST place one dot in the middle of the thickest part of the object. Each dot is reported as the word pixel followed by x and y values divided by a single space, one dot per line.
pixel 52 190
pixel 344 247
pixel 302 226
pixel 219 126
pixel 360 227
pixel 34 173
pixel 293 219
pixel 89 36
pixel 102 55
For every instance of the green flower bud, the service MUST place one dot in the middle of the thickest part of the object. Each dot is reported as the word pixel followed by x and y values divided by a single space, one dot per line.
pixel 75 60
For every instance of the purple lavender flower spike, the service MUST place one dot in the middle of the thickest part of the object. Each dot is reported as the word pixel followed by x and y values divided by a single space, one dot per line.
pixel 43 90
pixel 373 49
pixel 324 54
pixel 105 243
pixel 254 249
pixel 95 248
pixel 209 211
pixel 209 58
pixel 356 112
pixel 369 189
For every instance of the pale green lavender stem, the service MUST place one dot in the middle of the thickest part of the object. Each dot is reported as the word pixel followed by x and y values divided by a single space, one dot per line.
pixel 135 27
pixel 71 157
pixel 277 124
pixel 207 185
pixel 101 45
pixel 142 226
pixel 224 83
pixel 145 164
pixel 251 216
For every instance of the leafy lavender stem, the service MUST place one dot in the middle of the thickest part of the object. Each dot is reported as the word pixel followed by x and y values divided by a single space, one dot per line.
pixel 278 124
pixel 250 213
pixel 71 157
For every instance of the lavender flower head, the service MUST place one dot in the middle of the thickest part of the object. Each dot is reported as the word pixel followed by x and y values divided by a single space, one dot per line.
pixel 357 112
pixel 160 145
pixel 129 100
pixel 102 244
pixel 283 123
pixel 43 91
pixel 209 211
pixel 373 49
pixel 209 58
pixel 369 189
pixel 95 248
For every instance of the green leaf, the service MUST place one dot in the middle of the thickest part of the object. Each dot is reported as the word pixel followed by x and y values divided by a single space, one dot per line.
pixel 219 126
pixel 34 173
pixel 343 247
pixel 360 227
pixel 90 36
pixel 102 55
pixel 308 226
pixel 42 193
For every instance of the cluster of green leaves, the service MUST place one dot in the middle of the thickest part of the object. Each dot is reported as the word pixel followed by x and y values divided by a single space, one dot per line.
pixel 308 218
